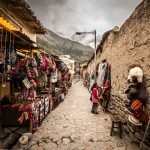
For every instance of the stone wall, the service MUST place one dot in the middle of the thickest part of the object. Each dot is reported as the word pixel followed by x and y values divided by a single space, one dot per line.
pixel 129 45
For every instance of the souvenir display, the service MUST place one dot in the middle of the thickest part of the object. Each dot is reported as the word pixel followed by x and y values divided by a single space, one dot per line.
pixel 35 85
pixel 104 82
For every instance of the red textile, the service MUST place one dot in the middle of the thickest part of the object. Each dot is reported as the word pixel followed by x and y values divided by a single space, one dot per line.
pixel 95 94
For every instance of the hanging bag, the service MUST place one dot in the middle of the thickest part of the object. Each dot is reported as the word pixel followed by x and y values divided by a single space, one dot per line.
pixel 27 83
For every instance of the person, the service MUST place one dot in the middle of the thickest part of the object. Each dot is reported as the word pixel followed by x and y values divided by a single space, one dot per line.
pixel 95 98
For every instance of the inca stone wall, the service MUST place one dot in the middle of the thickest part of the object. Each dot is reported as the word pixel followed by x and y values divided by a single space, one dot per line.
pixel 131 44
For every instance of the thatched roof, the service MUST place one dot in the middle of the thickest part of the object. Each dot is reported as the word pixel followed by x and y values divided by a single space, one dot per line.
pixel 26 15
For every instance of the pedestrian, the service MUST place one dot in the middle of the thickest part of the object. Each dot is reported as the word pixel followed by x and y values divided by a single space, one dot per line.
pixel 95 98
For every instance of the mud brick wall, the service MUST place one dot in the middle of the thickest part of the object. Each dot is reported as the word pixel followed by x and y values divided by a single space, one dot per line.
pixel 131 44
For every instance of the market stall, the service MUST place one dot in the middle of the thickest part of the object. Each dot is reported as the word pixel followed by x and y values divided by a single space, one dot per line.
pixel 38 83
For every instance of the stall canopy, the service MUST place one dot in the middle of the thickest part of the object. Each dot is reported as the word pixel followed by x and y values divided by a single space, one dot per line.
pixel 23 11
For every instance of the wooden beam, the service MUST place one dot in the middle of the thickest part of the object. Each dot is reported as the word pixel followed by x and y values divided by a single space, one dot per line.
pixel 15 34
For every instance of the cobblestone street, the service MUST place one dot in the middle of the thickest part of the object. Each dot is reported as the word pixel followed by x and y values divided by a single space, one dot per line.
pixel 72 126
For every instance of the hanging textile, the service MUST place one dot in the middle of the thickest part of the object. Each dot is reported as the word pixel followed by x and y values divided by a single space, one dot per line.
pixel 101 73
pixel 2 57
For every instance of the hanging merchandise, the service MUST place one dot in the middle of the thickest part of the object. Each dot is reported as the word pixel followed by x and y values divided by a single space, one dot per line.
pixel 92 80
pixel 42 112
pixel 13 55
pixel 87 80
pixel 62 96
pixel 9 72
pixel 35 116
pixel 47 105
pixel 24 117
pixel 53 66
pixel 2 51
pixel 11 59
pixel 61 66
pixel 51 102
pixel 44 78
pixel 54 76
pixel 104 82
pixel 2 56
pixel 33 62
pixel 59 75
pixel 101 73
pixel 31 83
pixel 36 72
pixel 27 83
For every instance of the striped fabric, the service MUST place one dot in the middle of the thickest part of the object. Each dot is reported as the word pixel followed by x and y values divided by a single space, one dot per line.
pixel 139 112
pixel 136 105
pixel 145 117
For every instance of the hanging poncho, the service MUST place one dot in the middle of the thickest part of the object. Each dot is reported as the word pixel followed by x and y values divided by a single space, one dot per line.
pixel 101 73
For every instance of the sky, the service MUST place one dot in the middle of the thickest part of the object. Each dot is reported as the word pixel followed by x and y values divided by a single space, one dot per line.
pixel 65 17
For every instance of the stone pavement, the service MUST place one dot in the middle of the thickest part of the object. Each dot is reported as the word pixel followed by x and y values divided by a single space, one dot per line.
pixel 71 126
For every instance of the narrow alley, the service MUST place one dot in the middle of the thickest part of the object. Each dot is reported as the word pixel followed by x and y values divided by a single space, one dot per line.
pixel 74 73
pixel 72 126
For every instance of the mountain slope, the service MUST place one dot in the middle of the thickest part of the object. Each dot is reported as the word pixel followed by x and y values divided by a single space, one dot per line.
pixel 55 44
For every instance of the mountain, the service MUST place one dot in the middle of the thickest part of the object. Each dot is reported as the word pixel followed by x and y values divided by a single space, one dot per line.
pixel 55 44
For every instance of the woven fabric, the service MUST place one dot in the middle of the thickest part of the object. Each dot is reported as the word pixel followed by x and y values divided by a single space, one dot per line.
pixel 136 105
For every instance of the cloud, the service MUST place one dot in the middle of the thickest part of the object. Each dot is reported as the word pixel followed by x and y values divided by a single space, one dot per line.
pixel 69 16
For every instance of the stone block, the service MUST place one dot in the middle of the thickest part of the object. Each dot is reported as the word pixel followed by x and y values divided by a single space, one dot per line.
pixel 138 135
pixel 130 128
pixel 126 129
pixel 133 137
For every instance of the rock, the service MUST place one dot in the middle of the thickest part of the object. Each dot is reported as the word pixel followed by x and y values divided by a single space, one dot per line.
pixel 138 135
pixel 119 144
pixel 126 129
pixel 65 126
pixel 50 146
pixel 133 137
pixel 29 135
pixel 23 140
pixel 73 137
pixel 94 139
pixel 120 148
pixel 66 141
pixel 73 131
pixel 132 147
pixel 130 128
pixel 59 142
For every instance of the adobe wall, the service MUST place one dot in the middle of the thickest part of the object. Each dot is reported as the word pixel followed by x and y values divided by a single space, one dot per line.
pixel 131 44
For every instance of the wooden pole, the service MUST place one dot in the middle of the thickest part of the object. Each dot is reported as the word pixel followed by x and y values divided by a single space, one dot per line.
pixel 145 134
